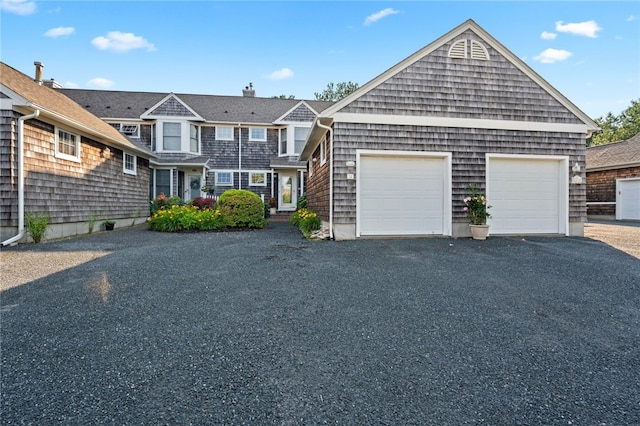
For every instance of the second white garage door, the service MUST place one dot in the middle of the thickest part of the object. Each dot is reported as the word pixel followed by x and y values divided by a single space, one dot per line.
pixel 529 195
pixel 628 199
pixel 403 195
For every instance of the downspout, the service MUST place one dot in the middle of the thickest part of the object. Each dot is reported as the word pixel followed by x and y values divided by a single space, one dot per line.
pixel 322 126
pixel 20 148
pixel 239 155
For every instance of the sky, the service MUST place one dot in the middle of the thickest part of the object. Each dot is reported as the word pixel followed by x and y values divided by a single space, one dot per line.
pixel 588 50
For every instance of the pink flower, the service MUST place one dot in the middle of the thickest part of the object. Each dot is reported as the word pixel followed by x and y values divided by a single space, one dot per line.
pixel 467 199
pixel 466 209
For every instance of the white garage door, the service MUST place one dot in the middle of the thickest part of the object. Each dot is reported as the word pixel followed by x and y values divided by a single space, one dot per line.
pixel 628 199
pixel 401 195
pixel 527 195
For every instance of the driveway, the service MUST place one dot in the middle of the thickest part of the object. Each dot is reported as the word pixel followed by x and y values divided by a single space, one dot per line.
pixel 265 327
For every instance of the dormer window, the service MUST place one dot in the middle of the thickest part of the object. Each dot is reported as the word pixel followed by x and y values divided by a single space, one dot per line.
pixel 174 136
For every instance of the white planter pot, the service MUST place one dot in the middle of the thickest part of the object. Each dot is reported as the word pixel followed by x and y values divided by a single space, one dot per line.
pixel 479 232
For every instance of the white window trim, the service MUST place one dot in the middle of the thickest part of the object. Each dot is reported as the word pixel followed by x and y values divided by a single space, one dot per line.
pixel 217 137
pixel 217 182
pixel 185 137
pixel 133 171
pixel 258 172
pixel 76 158
pixel 251 138
pixel 198 138
pixel 323 151
pixel 137 126
pixel 286 132
pixel 291 138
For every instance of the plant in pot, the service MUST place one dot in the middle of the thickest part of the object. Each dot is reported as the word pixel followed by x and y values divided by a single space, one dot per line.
pixel 477 210
pixel 109 224
pixel 273 204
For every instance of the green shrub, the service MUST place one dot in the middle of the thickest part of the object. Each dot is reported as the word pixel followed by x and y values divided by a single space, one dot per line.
pixel 302 202
pixel 306 220
pixel 37 225
pixel 164 202
pixel 241 209
pixel 92 219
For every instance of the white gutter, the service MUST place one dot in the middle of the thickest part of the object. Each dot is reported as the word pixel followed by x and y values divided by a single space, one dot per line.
pixel 322 126
pixel 239 155
pixel 20 148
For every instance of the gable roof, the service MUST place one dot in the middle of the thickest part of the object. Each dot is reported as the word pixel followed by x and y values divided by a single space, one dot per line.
pixel 58 107
pixel 614 155
pixel 118 105
pixel 468 25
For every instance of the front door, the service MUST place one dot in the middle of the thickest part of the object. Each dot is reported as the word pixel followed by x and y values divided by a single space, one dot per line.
pixel 288 191
pixel 194 186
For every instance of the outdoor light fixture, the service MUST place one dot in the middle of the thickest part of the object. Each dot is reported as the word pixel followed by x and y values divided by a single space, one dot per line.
pixel 106 152
pixel 576 179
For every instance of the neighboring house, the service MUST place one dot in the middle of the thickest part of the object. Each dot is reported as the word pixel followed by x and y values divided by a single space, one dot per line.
pixel 613 180
pixel 396 156
pixel 224 142
pixel 58 159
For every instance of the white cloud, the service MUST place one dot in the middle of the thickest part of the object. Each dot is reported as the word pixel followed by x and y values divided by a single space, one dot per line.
pixel 280 74
pixel 59 31
pixel 586 28
pixel 71 85
pixel 548 36
pixel 100 82
pixel 117 41
pixel 379 15
pixel 632 18
pixel 549 56
pixel 19 7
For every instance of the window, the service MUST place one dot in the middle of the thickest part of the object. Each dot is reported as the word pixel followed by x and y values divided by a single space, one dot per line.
pixel 171 136
pixel 257 179
pixel 300 134
pixel 257 134
pixel 224 133
pixel 163 182
pixel 67 145
pixel 194 140
pixel 129 163
pixel 283 141
pixel 323 151
pixel 132 130
pixel 153 137
pixel 224 179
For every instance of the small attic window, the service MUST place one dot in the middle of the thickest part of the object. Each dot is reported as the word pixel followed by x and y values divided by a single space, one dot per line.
pixel 458 50
pixel 463 49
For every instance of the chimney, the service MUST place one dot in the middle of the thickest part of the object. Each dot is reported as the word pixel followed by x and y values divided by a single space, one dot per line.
pixel 52 83
pixel 39 66
pixel 248 91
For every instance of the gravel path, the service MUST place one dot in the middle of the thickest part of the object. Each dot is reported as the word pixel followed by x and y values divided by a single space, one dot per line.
pixel 624 236
pixel 267 328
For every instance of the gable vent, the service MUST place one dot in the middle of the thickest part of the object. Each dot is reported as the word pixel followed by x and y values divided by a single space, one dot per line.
pixel 478 51
pixel 458 49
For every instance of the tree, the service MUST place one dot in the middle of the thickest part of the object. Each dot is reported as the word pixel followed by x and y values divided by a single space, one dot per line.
pixel 284 97
pixel 617 128
pixel 336 92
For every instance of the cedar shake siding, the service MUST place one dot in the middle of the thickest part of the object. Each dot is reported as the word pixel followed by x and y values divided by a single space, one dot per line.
pixel 440 86
pixel 468 148
pixel 70 191
pixel 318 187
pixel 601 188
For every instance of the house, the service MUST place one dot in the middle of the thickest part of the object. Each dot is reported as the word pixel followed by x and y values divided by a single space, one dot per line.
pixel 613 180
pixel 221 142
pixel 396 156
pixel 56 158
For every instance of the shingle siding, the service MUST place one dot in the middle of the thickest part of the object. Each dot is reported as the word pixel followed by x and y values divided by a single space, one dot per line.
pixel 318 185
pixel 439 86
pixel 601 188
pixel 69 191
pixel 302 114
pixel 468 148
pixel 171 107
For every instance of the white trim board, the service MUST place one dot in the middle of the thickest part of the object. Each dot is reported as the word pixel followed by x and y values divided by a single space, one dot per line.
pixel 467 123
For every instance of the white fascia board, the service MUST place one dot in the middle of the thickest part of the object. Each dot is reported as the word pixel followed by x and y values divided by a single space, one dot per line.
pixel 612 167
pixel 14 97
pixel 467 123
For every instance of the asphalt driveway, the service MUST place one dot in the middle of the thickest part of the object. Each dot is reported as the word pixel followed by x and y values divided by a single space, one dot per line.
pixel 265 327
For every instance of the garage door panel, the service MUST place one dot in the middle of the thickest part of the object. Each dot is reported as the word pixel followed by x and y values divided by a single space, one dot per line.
pixel 526 195
pixel 401 195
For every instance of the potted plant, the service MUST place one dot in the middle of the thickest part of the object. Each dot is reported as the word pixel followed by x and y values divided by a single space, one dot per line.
pixel 477 210
pixel 273 202
pixel 109 224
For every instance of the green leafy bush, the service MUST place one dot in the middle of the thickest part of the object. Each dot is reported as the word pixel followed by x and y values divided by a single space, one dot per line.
pixel 241 209
pixel 302 202
pixel 164 202
pixel 37 225
pixel 306 220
